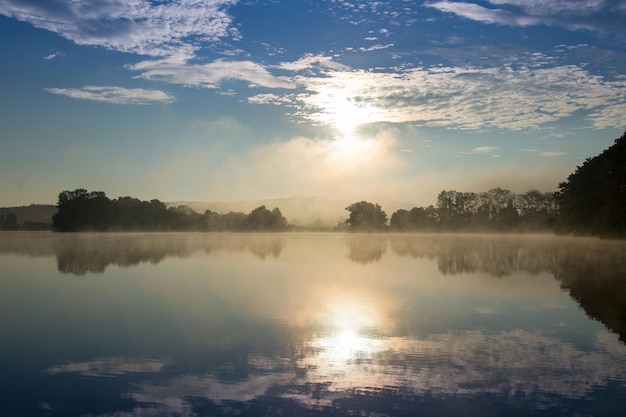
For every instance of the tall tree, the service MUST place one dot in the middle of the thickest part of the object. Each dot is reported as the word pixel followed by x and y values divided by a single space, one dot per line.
pixel 593 199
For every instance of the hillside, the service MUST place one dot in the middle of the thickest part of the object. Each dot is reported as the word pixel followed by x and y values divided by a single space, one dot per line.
pixel 40 213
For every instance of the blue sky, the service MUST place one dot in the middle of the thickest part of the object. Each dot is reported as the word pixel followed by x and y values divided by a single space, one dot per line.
pixel 225 100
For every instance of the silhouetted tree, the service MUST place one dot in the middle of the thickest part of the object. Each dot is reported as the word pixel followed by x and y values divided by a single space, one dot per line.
pixel 416 219
pixel 593 199
pixel 536 210
pixel 494 210
pixel 456 209
pixel 82 210
pixel 262 219
pixel 366 216
pixel 8 222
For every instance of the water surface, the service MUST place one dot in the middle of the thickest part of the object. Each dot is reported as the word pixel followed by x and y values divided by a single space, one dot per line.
pixel 311 324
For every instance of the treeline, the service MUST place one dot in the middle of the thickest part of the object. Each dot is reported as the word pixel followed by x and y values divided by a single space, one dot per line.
pixel 9 221
pixel 82 210
pixel 591 202
pixel 496 210
pixel 32 217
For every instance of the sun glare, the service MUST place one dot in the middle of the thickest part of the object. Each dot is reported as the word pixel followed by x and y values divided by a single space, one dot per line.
pixel 346 123
pixel 350 148
pixel 344 341
pixel 345 346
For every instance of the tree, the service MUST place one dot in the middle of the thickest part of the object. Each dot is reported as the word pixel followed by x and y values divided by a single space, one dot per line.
pixel 263 219
pixel 417 219
pixel 365 216
pixel 593 199
pixel 456 210
pixel 8 222
pixel 82 210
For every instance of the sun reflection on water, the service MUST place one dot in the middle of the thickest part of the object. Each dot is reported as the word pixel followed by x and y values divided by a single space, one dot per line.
pixel 346 343
pixel 345 347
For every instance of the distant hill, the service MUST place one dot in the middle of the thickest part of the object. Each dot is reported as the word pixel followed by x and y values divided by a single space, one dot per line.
pixel 41 213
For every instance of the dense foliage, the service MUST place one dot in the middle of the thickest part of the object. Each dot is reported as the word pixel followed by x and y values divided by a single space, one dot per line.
pixel 365 216
pixel 8 222
pixel 81 210
pixel 593 199
pixel 494 210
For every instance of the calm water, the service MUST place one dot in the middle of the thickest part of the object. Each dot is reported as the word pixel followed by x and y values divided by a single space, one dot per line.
pixel 311 324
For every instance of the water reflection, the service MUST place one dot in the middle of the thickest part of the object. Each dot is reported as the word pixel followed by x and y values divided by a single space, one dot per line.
pixel 311 324
pixel 84 253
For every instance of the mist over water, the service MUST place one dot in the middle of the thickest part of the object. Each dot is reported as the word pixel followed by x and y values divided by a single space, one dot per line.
pixel 200 324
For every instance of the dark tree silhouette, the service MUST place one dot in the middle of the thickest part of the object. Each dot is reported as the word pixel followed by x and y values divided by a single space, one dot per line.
pixel 8 221
pixel 262 219
pixel 497 210
pixel 416 219
pixel 81 210
pixel 366 216
pixel 593 199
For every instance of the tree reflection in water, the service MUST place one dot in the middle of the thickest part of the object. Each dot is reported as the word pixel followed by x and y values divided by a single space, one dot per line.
pixel 593 271
pixel 85 253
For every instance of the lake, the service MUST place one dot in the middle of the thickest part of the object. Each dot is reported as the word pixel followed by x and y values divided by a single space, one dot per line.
pixel 299 324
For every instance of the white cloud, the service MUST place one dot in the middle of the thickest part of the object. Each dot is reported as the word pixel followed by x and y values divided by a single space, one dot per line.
pixel 483 14
pixel 311 61
pixel 483 149
pixel 375 47
pixel 270 99
pixel 114 95
pixel 137 26
pixel 179 71
pixel 611 115
pixel 52 56
pixel 604 16
pixel 552 154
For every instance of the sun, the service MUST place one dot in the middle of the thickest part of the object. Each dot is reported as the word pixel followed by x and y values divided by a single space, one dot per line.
pixel 346 116
pixel 346 124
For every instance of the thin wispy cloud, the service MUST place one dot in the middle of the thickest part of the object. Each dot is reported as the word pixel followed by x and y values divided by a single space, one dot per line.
pixel 482 149
pixel 114 95
pixel 52 56
pixel 599 16
pixel 375 47
pixel 208 75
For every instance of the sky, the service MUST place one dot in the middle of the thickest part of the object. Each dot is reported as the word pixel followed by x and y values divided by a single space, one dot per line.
pixel 232 100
